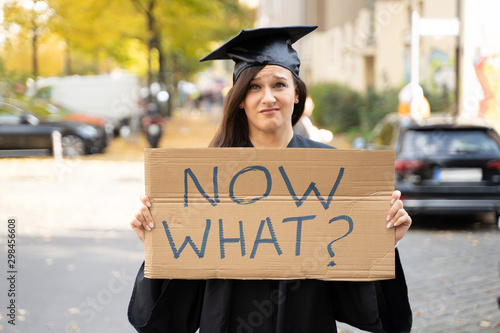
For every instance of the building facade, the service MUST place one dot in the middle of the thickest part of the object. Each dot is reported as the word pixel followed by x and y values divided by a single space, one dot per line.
pixel 365 43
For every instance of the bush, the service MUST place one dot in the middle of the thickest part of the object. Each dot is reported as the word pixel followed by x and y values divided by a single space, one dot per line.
pixel 440 101
pixel 342 109
pixel 378 104
pixel 337 107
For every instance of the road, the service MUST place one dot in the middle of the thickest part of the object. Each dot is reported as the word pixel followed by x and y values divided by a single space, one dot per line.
pixel 453 273
pixel 76 257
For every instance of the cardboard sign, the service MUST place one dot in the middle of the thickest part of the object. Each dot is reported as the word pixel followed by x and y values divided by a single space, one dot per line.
pixel 246 213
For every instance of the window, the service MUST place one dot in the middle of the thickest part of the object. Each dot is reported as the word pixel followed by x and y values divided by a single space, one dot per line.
pixel 446 142
pixel 7 117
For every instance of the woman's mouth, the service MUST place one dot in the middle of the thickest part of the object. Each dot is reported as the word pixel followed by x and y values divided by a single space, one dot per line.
pixel 269 112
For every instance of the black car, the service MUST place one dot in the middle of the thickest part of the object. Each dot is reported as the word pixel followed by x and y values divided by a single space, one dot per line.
pixel 443 165
pixel 22 133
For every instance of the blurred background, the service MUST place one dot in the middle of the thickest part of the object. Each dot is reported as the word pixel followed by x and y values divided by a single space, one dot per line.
pixel 86 85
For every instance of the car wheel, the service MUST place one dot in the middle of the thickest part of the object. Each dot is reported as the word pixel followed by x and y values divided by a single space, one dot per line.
pixel 72 145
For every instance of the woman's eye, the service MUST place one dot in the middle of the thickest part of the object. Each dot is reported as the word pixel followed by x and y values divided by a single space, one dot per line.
pixel 280 85
pixel 253 87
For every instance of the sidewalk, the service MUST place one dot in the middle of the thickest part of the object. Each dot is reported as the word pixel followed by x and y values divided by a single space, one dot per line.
pixel 183 130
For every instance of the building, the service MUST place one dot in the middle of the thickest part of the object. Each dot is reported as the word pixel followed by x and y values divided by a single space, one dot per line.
pixel 366 43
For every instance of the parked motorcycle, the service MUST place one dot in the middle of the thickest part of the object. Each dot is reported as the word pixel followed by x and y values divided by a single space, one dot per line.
pixel 152 123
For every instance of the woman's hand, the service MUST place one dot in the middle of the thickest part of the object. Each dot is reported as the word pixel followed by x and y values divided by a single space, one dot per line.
pixel 142 220
pixel 398 218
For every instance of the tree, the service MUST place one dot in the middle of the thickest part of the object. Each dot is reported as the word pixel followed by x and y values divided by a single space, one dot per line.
pixel 32 18
pixel 147 8
pixel 160 39
pixel 191 27
pixel 181 30
pixel 94 29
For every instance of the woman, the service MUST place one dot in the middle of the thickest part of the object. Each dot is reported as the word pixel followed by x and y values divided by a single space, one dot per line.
pixel 266 100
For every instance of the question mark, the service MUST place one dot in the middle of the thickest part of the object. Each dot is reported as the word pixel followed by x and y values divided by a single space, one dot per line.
pixel 330 251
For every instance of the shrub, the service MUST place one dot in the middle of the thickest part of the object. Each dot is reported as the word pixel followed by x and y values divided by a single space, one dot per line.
pixel 344 110
pixel 440 101
pixel 337 107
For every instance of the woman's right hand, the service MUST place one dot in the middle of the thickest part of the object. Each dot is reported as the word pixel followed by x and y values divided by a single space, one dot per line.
pixel 142 220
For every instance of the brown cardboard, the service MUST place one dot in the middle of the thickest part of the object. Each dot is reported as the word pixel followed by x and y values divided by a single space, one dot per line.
pixel 251 187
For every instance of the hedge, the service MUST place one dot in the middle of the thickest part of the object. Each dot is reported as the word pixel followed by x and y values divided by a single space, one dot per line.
pixel 343 110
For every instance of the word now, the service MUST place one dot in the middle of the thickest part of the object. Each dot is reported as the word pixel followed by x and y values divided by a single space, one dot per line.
pixel 266 223
pixel 189 174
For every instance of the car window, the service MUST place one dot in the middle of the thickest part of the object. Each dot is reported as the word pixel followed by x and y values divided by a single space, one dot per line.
pixel 385 134
pixel 7 117
pixel 448 142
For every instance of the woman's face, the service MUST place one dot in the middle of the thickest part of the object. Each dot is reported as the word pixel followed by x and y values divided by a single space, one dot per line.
pixel 270 100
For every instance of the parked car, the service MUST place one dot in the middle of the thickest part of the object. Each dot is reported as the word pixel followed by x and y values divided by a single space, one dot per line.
pixel 23 133
pixel 50 111
pixel 443 165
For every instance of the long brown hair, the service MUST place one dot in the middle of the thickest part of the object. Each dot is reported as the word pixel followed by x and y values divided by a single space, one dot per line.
pixel 233 131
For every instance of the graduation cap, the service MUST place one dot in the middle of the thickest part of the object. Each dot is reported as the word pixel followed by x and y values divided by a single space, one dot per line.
pixel 263 46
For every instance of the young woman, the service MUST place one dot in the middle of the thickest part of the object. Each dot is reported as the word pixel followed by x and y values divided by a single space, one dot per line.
pixel 266 100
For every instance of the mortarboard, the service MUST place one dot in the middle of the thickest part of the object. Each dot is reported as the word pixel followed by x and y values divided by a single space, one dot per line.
pixel 263 46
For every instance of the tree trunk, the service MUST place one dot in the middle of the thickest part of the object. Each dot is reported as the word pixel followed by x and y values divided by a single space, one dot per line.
pixel 35 50
pixel 151 37
pixel 95 63
pixel 162 71
pixel 67 60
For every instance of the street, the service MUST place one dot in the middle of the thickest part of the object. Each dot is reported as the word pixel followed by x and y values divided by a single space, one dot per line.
pixel 453 273
pixel 76 257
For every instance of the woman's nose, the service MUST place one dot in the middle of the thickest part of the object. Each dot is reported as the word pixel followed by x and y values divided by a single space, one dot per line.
pixel 268 96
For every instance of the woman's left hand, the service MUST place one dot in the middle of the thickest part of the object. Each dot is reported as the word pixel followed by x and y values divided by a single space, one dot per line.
pixel 398 218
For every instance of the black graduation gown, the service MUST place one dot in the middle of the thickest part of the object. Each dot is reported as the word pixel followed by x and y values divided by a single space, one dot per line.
pixel 269 306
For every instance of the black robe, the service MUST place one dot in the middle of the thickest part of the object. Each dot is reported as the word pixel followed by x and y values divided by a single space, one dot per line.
pixel 269 306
